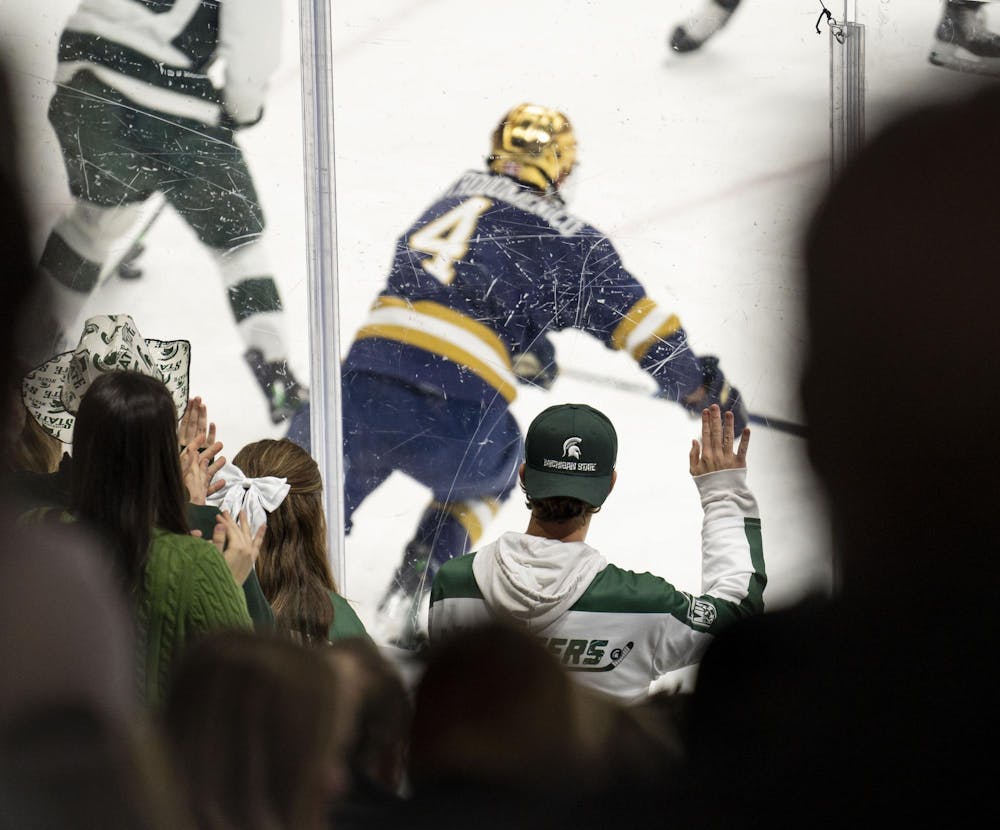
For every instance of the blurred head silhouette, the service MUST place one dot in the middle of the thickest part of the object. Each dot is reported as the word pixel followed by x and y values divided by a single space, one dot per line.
pixel 255 727
pixel 15 252
pixel 902 387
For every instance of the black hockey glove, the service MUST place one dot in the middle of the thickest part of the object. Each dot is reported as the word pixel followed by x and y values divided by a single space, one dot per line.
pixel 718 390
pixel 537 365
pixel 228 122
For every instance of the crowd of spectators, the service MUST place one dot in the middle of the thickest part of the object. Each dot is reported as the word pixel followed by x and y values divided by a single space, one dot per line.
pixel 176 653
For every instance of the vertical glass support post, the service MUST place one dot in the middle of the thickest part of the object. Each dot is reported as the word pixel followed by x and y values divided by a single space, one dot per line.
pixel 847 92
pixel 847 128
pixel 316 37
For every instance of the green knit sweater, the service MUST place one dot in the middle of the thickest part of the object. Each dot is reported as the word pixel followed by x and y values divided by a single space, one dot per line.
pixel 186 590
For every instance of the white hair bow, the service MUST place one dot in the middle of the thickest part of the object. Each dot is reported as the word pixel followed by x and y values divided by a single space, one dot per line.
pixel 257 496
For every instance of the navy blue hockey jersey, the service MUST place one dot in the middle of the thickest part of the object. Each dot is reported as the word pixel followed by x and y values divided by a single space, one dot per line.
pixel 485 273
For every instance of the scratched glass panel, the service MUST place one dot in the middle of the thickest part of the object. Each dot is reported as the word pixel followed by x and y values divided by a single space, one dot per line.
pixel 163 156
pixel 692 172
pixel 690 178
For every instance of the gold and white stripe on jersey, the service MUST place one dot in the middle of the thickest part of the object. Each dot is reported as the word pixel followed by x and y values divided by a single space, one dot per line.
pixel 445 332
pixel 474 515
pixel 643 325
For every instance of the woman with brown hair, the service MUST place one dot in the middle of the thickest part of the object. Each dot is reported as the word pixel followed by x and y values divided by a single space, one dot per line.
pixel 293 567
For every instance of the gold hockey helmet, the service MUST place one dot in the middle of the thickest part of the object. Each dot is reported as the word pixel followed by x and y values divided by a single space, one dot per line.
pixel 535 145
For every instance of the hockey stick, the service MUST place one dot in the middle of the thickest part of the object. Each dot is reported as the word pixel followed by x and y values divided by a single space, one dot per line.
pixel 617 656
pixel 123 266
pixel 779 424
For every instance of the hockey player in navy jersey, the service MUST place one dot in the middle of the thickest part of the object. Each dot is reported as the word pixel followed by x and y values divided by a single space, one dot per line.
pixel 476 285
pixel 136 113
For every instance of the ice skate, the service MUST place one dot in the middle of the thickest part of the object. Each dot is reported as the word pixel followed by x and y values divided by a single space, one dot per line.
pixel 963 41
pixel 398 622
pixel 284 393
pixel 698 28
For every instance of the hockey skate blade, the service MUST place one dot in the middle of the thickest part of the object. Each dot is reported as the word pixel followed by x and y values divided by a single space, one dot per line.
pixel 959 59
pixel 682 42
pixel 692 33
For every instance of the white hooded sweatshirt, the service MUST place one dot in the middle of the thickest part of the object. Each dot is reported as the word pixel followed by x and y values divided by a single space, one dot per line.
pixel 614 630
pixel 533 579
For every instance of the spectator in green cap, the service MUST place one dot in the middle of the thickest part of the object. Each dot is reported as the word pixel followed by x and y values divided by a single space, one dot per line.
pixel 614 630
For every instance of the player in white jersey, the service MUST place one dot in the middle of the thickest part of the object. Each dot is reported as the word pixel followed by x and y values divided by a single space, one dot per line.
pixel 963 39
pixel 150 94
pixel 613 629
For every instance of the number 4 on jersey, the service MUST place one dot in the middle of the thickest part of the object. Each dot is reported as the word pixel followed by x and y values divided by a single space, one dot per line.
pixel 446 239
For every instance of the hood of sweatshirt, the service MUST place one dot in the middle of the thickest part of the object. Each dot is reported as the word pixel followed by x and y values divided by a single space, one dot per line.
pixel 532 579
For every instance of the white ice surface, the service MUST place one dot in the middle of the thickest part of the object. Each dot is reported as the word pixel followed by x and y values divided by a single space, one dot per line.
pixel 701 168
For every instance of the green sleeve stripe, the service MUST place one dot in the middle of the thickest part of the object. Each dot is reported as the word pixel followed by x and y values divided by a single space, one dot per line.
pixel 753 603
pixel 617 591
pixel 455 580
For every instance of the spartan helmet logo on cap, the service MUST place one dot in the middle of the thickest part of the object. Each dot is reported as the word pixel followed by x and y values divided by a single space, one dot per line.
pixel 534 145
pixel 571 447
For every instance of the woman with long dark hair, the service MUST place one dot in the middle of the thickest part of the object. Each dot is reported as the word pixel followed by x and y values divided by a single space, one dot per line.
pixel 293 568
pixel 127 483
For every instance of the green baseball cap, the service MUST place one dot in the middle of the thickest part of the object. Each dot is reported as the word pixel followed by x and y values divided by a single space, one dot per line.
pixel 570 450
